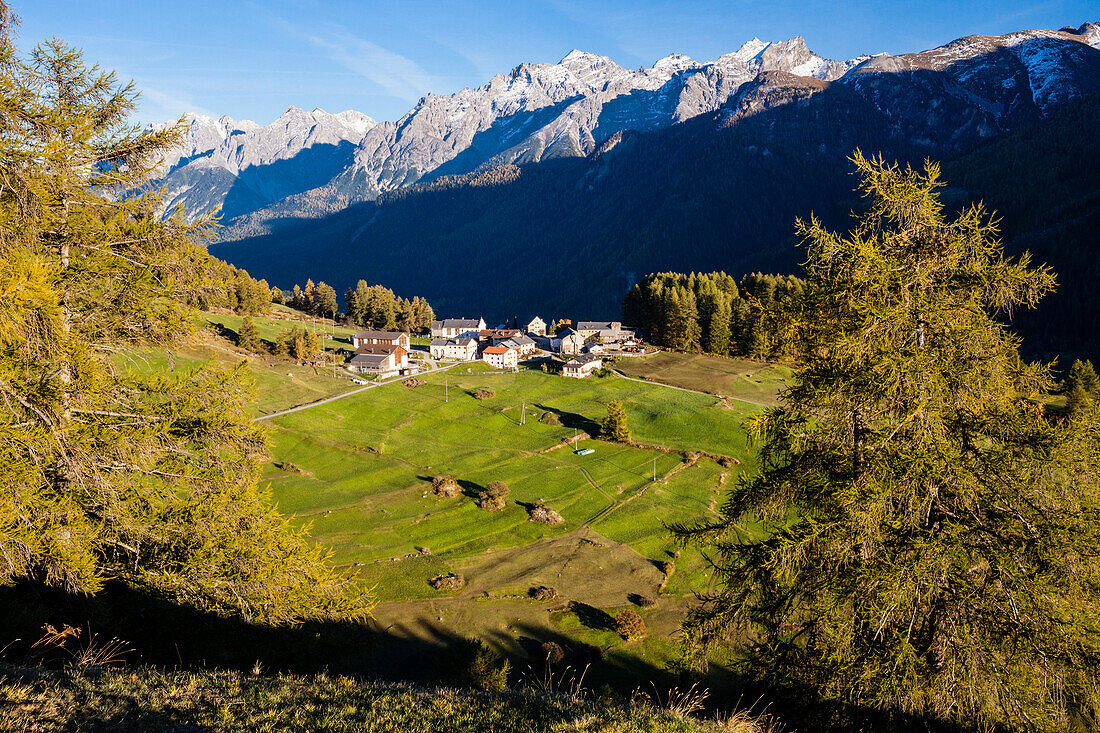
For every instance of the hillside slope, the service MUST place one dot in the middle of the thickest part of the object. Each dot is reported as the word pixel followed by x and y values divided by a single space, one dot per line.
pixel 145 699
pixel 1043 180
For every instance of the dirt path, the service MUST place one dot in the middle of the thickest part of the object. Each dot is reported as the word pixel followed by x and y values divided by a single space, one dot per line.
pixel 352 392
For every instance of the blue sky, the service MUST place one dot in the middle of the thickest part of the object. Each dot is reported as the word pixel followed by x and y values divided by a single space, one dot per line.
pixel 251 60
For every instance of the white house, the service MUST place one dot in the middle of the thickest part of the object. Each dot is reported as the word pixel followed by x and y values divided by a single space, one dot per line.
pixel 568 342
pixel 450 328
pixel 461 349
pixel 536 326
pixel 581 366
pixel 501 357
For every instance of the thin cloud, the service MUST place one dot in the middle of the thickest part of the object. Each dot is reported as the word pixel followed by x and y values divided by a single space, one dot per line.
pixel 158 106
pixel 396 74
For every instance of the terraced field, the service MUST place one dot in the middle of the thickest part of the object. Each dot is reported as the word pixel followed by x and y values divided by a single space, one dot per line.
pixel 359 470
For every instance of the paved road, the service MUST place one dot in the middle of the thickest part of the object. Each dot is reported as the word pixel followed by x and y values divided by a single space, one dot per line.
pixel 434 368
pixel 685 389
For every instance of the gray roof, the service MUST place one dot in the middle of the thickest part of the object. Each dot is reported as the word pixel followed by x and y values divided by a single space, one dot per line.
pixel 583 359
pixel 522 340
pixel 461 341
pixel 460 323
pixel 565 333
pixel 369 358
pixel 367 333
pixel 597 325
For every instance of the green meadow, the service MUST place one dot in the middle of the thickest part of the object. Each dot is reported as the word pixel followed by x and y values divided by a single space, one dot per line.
pixel 359 471
pixel 734 377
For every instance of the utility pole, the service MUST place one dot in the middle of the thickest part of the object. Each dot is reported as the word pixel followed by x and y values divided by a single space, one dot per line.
pixel 654 469
pixel 523 414
pixel 446 389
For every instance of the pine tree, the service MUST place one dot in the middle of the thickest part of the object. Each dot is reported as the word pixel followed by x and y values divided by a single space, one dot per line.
pixel 105 475
pixel 324 300
pixel 614 427
pixel 718 329
pixel 920 537
pixel 1083 375
pixel 248 338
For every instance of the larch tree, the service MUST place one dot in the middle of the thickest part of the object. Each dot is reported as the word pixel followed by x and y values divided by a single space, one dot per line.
pixel 248 338
pixel 614 426
pixel 107 474
pixel 921 537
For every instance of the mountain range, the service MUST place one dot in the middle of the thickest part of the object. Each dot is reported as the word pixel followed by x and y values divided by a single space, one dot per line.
pixel 323 161
pixel 555 186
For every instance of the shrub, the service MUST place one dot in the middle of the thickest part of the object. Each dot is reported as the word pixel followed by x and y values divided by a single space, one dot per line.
pixel 667 567
pixel 552 652
pixel 543 593
pixel 492 498
pixel 550 418
pixel 629 625
pixel 445 486
pixel 544 515
pixel 484 393
pixel 450 581
pixel 642 601
pixel 480 667
pixel 412 382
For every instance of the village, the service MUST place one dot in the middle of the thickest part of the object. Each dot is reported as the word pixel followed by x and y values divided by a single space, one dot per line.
pixel 571 351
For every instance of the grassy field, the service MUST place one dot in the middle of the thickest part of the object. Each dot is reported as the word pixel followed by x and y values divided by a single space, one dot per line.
pixel 359 471
pixel 730 377
pixel 269 326
pixel 280 383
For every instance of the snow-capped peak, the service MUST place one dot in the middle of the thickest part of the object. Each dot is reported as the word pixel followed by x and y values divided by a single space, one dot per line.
pixel 751 50
pixel 675 62
pixel 582 58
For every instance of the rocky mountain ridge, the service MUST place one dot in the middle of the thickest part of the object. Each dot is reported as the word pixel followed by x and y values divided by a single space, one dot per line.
pixel 309 164
pixel 535 112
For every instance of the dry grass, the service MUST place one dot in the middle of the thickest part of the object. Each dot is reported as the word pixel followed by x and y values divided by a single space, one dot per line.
pixel 152 700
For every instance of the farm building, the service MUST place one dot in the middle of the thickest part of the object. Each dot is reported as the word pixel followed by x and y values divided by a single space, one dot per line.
pixel 367 337
pixel 604 331
pixel 450 328
pixel 581 366
pixel 379 359
pixel 501 357
pixel 462 349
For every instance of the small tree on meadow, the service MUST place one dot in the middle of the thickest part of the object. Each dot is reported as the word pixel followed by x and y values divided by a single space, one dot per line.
pixel 248 338
pixel 614 427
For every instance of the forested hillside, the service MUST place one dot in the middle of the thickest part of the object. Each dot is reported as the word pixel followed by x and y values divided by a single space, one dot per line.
pixel 1044 181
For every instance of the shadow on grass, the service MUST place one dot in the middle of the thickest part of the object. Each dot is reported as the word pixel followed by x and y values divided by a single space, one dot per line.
pixel 573 420
pixel 470 488
pixel 592 617
pixel 174 637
